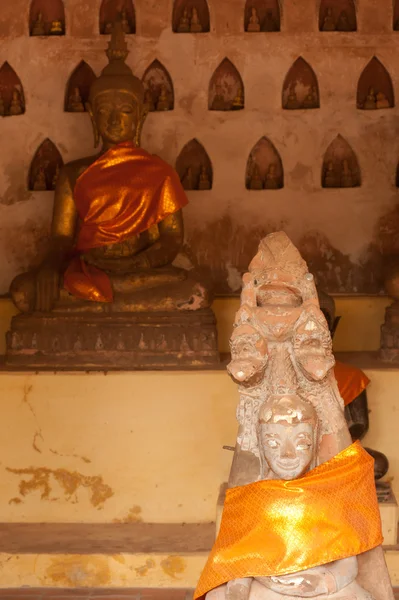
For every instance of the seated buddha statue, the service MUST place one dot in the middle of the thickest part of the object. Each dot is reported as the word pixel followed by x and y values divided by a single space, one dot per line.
pixel 16 106
pixel 117 221
pixel 39 26
pixel 254 23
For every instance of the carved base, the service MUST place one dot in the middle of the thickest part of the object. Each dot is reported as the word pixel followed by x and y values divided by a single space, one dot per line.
pixel 121 341
pixel 389 351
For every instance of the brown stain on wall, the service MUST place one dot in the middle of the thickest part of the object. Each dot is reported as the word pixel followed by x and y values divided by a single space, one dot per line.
pixel 69 481
pixel 78 571
pixel 173 566
pixel 143 570
pixel 133 516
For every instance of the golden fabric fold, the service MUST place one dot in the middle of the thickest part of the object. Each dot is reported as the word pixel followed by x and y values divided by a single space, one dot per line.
pixel 351 381
pixel 122 194
pixel 278 527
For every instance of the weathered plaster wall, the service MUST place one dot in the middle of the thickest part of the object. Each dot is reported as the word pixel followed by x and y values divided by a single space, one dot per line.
pixel 141 446
pixel 337 229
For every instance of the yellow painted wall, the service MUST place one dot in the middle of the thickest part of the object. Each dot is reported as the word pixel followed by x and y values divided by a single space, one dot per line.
pixel 359 329
pixel 99 448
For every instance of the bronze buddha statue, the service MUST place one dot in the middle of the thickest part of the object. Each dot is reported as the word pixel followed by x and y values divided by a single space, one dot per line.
pixel 117 225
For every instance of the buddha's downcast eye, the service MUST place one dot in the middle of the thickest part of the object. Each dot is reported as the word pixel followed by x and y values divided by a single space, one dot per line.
pixel 272 443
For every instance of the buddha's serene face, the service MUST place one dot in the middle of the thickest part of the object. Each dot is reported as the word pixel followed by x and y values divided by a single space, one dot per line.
pixel 287 449
pixel 116 115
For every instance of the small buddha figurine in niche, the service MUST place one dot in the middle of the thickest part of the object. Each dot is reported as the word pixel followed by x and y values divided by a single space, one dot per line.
pixel 57 28
pixel 272 181
pixel 255 181
pixel 184 23
pixel 254 23
pixel 269 22
pixel 16 107
pixel 328 23
pixel 347 179
pixel 330 176
pixel 204 181
pixel 310 100
pixel 39 183
pixel 371 101
pixel 86 274
pixel 188 179
pixel 2 106
pixel 218 102
pixel 238 101
pixel 382 101
pixel 149 100
pixel 195 24
pixel 343 22
pixel 75 102
pixel 163 102
pixel 125 22
pixel 38 26
pixel 292 102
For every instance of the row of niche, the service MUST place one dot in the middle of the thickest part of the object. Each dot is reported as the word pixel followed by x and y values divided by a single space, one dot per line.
pixel 47 17
pixel 226 88
pixel 264 169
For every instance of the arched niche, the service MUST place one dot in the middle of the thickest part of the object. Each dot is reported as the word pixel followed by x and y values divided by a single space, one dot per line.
pixel 375 89
pixel 340 166
pixel 111 10
pixel 190 16
pixel 337 15
pixel 194 167
pixel 262 15
pixel 226 88
pixel 264 167
pixel 45 167
pixel 300 89
pixel 12 98
pixel 78 88
pixel 158 88
pixel 47 17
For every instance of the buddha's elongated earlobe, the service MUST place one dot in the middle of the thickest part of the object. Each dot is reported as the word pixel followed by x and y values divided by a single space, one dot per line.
pixel 94 124
pixel 142 118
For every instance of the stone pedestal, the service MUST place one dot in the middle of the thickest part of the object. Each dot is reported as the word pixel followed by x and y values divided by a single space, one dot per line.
pixel 122 341
pixel 390 334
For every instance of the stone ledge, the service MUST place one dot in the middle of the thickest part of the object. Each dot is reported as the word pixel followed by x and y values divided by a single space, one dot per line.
pixel 107 538
pixel 96 593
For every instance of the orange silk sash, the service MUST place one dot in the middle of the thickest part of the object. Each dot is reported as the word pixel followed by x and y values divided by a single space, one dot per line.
pixel 278 527
pixel 122 194
pixel 351 381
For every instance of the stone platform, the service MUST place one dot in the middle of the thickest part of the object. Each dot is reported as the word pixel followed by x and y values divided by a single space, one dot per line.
pixel 149 340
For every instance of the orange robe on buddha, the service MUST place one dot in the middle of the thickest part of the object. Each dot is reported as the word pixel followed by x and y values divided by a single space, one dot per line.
pixel 122 194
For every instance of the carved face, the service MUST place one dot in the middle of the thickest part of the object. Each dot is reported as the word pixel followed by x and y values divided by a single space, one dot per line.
pixel 287 449
pixel 116 114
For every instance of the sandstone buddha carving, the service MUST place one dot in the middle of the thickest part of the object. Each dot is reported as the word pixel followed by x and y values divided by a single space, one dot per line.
pixel 39 184
pixel 184 23
pixel 38 26
pixel 343 22
pixel 57 28
pixel 16 107
pixel 347 178
pixel 292 102
pixel 122 247
pixel 291 525
pixel 195 24
pixel 328 23
pixel 238 101
pixel 254 23
pixel 256 181
pixel 75 102
pixel 371 100
pixel 2 106
pixel 163 99
pixel 204 181
pixel 272 180
pixel 331 179
pixel 382 101
pixel 269 23
pixel 218 102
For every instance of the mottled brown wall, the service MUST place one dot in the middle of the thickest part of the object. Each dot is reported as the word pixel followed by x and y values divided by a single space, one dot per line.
pixel 337 229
